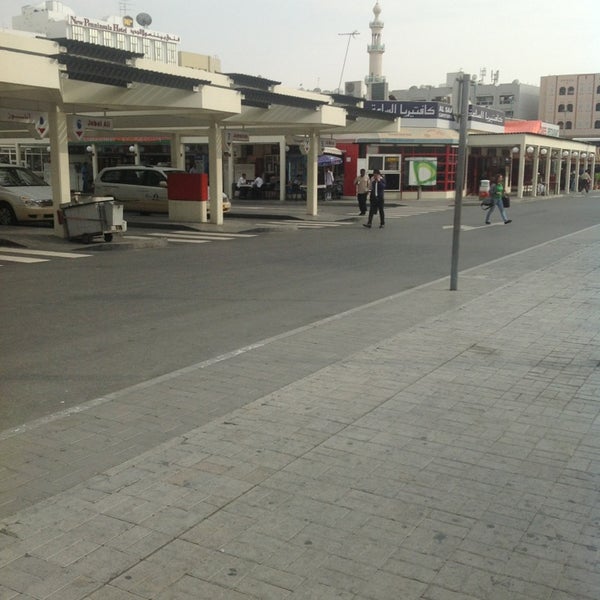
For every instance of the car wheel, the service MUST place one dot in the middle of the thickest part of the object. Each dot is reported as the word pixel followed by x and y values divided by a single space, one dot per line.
pixel 7 214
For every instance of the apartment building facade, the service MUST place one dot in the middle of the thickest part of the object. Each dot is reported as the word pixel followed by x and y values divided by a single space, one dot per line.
pixel 573 103
pixel 516 100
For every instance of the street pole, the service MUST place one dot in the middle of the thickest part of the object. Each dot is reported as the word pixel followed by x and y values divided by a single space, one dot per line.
pixel 461 168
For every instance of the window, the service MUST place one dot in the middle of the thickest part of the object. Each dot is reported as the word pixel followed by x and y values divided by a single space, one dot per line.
pixel 507 99
pixel 108 39
pixel 147 49
pixel 78 33
pixel 389 165
pixel 561 108
pixel 597 125
pixel 598 90
pixel 597 106
pixel 569 108
pixel 560 124
pixel 568 125
pixel 562 91
pixel 134 44
pixel 570 91
pixel 485 100
pixel 171 54
pixel 93 36
pixel 120 41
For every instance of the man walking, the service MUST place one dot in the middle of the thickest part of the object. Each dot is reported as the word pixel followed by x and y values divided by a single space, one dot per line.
pixel 377 191
pixel 362 189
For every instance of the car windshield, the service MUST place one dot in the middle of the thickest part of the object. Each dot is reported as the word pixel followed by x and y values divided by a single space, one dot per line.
pixel 17 177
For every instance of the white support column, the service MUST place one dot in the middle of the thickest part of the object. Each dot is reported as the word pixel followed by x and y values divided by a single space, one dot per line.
pixel 135 150
pixel 215 173
pixel 282 169
pixel 559 172
pixel 521 178
pixel 177 152
pixel 547 169
pixel 312 174
pixel 94 156
pixel 59 154
pixel 568 174
pixel 536 169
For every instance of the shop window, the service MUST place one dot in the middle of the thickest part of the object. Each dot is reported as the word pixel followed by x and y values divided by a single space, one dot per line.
pixel 389 165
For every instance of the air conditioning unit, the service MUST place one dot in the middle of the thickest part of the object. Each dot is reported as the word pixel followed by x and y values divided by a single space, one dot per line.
pixel 355 88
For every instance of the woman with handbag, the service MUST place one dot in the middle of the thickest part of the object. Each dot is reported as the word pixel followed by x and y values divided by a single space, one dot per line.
pixel 497 194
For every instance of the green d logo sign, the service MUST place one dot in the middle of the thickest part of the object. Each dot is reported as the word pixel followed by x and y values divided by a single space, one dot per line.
pixel 424 172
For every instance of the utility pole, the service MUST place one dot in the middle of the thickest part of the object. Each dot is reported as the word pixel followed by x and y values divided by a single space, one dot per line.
pixel 462 114
pixel 350 35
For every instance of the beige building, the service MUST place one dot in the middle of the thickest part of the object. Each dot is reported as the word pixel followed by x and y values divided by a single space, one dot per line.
pixel 573 103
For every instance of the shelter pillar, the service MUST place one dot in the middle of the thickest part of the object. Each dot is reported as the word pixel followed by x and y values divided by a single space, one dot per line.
pixel 568 184
pixel 59 168
pixel 282 169
pixel 177 152
pixel 521 178
pixel 312 174
pixel 547 169
pixel 535 173
pixel 215 173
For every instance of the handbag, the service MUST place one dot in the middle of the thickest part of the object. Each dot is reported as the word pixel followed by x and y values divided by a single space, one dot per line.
pixel 506 201
pixel 486 202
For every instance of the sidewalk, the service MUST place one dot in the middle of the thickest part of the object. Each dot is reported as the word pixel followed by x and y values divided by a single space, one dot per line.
pixel 433 444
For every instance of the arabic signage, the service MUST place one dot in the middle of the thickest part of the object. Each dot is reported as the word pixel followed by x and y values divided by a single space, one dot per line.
pixel 486 115
pixel 40 120
pixel 436 111
pixel 413 110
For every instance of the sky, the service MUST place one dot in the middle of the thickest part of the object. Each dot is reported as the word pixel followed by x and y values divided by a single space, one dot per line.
pixel 298 42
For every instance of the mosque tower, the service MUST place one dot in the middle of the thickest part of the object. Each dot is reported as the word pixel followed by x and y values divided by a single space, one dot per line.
pixel 375 80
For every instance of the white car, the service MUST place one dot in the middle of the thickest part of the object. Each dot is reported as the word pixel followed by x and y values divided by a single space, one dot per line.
pixel 140 188
pixel 24 196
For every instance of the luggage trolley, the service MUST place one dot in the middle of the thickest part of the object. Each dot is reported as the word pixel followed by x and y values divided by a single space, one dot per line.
pixel 100 216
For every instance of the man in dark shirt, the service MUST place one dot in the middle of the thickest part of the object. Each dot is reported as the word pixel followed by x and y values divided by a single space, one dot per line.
pixel 376 199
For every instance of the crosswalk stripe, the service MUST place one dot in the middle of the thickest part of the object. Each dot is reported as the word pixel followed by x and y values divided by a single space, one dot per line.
pixel 216 234
pixel 187 241
pixel 42 253
pixel 22 259
pixel 308 224
pixel 191 238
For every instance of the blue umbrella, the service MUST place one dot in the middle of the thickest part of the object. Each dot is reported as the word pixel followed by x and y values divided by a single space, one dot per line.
pixel 327 160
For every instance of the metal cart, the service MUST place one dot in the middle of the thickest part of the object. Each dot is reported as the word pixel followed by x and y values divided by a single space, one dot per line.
pixel 94 217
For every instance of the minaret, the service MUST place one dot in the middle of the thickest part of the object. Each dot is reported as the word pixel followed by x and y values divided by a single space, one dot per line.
pixel 376 50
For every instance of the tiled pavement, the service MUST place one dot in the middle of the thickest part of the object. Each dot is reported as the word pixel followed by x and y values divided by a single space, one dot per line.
pixel 436 445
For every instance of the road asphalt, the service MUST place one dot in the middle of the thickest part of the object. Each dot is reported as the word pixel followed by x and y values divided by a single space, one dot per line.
pixel 458 458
